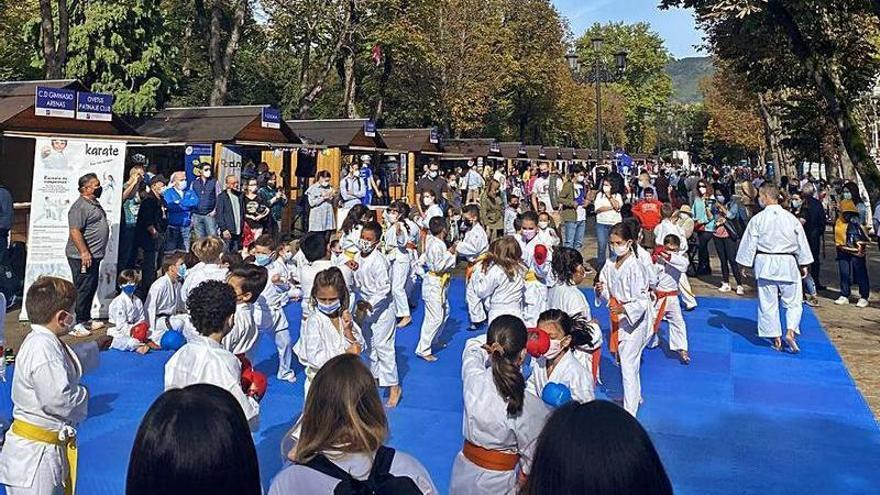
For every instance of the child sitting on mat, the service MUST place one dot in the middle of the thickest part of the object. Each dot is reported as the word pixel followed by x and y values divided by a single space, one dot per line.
pixel 130 330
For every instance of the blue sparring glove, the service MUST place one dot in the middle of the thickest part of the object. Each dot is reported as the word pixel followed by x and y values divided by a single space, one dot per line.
pixel 172 340
pixel 556 394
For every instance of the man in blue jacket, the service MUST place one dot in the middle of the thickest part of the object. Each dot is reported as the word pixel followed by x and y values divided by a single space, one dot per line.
pixel 180 202
pixel 205 187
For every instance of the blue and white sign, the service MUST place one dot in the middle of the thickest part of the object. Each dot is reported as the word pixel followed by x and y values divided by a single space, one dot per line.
pixel 94 106
pixel 370 128
pixel 55 102
pixel 435 136
pixel 494 148
pixel 271 118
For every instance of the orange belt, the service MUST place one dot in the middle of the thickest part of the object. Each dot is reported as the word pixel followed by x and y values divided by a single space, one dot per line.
pixel 493 460
pixel 597 358
pixel 469 271
pixel 663 297
pixel 615 324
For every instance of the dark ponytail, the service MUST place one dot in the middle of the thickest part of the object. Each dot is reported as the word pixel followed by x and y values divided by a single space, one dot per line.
pixel 509 333
pixel 565 262
pixel 578 327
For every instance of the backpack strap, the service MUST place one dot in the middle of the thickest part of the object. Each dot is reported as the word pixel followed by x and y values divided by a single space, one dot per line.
pixel 382 462
pixel 321 464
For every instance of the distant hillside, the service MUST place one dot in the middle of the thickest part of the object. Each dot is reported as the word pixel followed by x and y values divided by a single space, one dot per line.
pixel 686 75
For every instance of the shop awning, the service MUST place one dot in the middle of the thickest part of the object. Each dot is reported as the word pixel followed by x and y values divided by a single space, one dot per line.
pixel 242 124
pixel 341 133
pixel 411 140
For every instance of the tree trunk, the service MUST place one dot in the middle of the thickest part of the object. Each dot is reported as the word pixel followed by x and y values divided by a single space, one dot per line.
pixel 63 36
pixel 219 55
pixel 387 69
pixel 348 104
pixel 47 33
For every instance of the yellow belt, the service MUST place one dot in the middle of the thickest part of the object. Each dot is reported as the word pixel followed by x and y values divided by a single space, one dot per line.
pixel 351 255
pixel 531 276
pixel 37 434
pixel 444 277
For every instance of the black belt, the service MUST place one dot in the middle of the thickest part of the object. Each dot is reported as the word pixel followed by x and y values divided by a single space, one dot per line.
pixel 777 254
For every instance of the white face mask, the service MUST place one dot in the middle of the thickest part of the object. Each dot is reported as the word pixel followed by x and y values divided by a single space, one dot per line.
pixel 606 189
pixel 393 217
pixel 428 201
pixel 702 190
pixel 554 350
pixel 432 174
pixel 252 188
pixel 365 246
pixel 181 185
pixel 206 173
pixel 543 225
pixel 620 250
pixel 325 183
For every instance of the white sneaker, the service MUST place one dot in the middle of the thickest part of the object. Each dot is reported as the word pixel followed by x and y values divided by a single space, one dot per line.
pixel 740 291
pixel 841 301
pixel 80 331
pixel 725 287
pixel 863 303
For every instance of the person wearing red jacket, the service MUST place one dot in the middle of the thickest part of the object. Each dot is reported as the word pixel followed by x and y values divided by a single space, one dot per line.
pixel 647 210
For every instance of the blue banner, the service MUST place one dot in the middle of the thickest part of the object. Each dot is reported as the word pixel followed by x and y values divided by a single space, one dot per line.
pixel 94 106
pixel 55 102
pixel 435 136
pixel 271 118
pixel 370 128
pixel 194 155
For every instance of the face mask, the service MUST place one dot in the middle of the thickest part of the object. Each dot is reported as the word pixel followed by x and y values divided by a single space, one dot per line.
pixel 796 204
pixel 554 350
pixel 579 178
pixel 719 198
pixel 181 271
pixel 252 188
pixel 432 174
pixel 428 201
pixel 606 189
pixel 393 217
pixel 456 218
pixel 128 289
pixel 206 173
pixel 287 256
pixel 325 183
pixel 329 309
pixel 262 259
pixel 529 234
pixel 543 225
pixel 702 190
pixel 846 195
pixel 181 186
pixel 620 250
pixel 366 246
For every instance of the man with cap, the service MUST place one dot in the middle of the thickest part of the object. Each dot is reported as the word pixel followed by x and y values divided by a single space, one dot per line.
pixel 368 181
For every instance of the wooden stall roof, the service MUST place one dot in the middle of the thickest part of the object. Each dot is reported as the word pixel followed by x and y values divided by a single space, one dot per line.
pixel 535 152
pixel 566 153
pixel 470 148
pixel 583 153
pixel 512 150
pixel 216 125
pixel 552 152
pixel 412 140
pixel 336 133
pixel 17 99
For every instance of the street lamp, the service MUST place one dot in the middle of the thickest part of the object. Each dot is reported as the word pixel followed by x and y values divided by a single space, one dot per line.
pixel 598 74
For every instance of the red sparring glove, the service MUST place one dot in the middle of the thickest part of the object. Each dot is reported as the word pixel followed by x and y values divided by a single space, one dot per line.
pixel 253 383
pixel 540 254
pixel 141 331
pixel 657 253
pixel 245 362
pixel 538 342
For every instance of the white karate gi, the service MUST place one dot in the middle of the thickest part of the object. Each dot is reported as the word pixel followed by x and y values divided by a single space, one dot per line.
pixel 629 285
pixel 301 479
pixel 487 424
pixel 535 301
pixel 164 307
pixel 509 218
pixel 204 360
pixel 201 272
pixel 503 295
pixel 474 245
pixel 438 262
pixel 568 371
pixel 125 312
pixel 664 228
pixel 776 245
pixel 306 277
pixel 46 392
pixel 668 275
pixel 270 318
pixel 396 239
pixel 319 341
pixel 430 212
pixel 372 282
pixel 244 334
pixel 569 299
pixel 647 262
pixel 349 242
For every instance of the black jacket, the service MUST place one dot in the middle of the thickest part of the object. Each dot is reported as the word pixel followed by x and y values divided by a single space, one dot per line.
pixel 225 216
pixel 151 214
pixel 815 216
pixel 5 209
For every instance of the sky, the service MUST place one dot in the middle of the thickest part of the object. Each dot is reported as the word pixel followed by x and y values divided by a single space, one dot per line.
pixel 676 26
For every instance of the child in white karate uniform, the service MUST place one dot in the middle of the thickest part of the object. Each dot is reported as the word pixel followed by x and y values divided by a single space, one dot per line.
pixel 401 238
pixel 315 259
pixel 204 360
pixel 644 257
pixel 670 264
pixel 372 280
pixel 669 226
pixel 569 271
pixel 546 231
pixel 558 364
pixel 269 308
pixel 351 227
pixel 248 282
pixel 431 210
pixel 209 251
pixel 164 308
pixel 511 213
pixel 130 330
pixel 501 421
pixel 339 259
pixel 473 248
pixel 623 285
pixel 330 330
pixel 536 255
pixel 438 262
pixel 48 400
pixel 501 281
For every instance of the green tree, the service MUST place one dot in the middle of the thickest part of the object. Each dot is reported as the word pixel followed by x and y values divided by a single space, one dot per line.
pixel 15 43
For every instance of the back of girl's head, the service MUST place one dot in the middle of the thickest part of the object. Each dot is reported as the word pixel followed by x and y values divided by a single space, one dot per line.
pixel 313 246
pixel 575 326
pixel 507 339
pixel 633 224
pixel 208 249
pixel 613 455
pixel 403 208
pixel 343 411
pixel 623 231
pixel 506 253
pixel 354 217
pixel 565 262
pixel 190 439
pixel 331 277
pixel 231 259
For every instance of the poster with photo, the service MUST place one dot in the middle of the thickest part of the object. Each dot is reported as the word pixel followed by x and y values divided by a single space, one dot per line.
pixel 58 165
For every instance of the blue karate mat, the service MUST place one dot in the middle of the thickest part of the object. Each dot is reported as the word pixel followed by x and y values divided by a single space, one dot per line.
pixel 740 419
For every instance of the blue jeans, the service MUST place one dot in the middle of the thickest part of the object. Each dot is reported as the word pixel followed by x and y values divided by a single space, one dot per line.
pixel 602 233
pixel 852 270
pixel 573 236
pixel 177 239
pixel 809 285
pixel 204 226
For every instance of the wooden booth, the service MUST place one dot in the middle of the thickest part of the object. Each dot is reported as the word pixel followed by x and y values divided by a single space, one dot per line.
pixel 411 151
pixel 456 152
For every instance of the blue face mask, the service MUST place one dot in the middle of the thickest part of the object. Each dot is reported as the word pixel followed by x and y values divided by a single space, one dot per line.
pixel 181 271
pixel 128 288
pixel 262 259
pixel 329 309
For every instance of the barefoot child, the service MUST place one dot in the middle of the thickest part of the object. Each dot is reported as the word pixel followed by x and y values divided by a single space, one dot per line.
pixel 269 308
pixel 623 285
pixel 351 227
pixel 438 262
pixel 315 259
pixel 670 264
pixel 473 248
pixel 501 422
pixel 329 331
pixel 669 226
pixel 130 330
pixel 558 364
pixel 164 308
pixel 537 258
pixel 373 284
pixel 401 238
pixel 248 282
pixel 204 360
pixel 39 456
pixel 502 279
pixel 209 251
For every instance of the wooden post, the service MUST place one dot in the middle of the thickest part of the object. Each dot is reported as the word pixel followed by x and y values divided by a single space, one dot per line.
pixel 411 178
